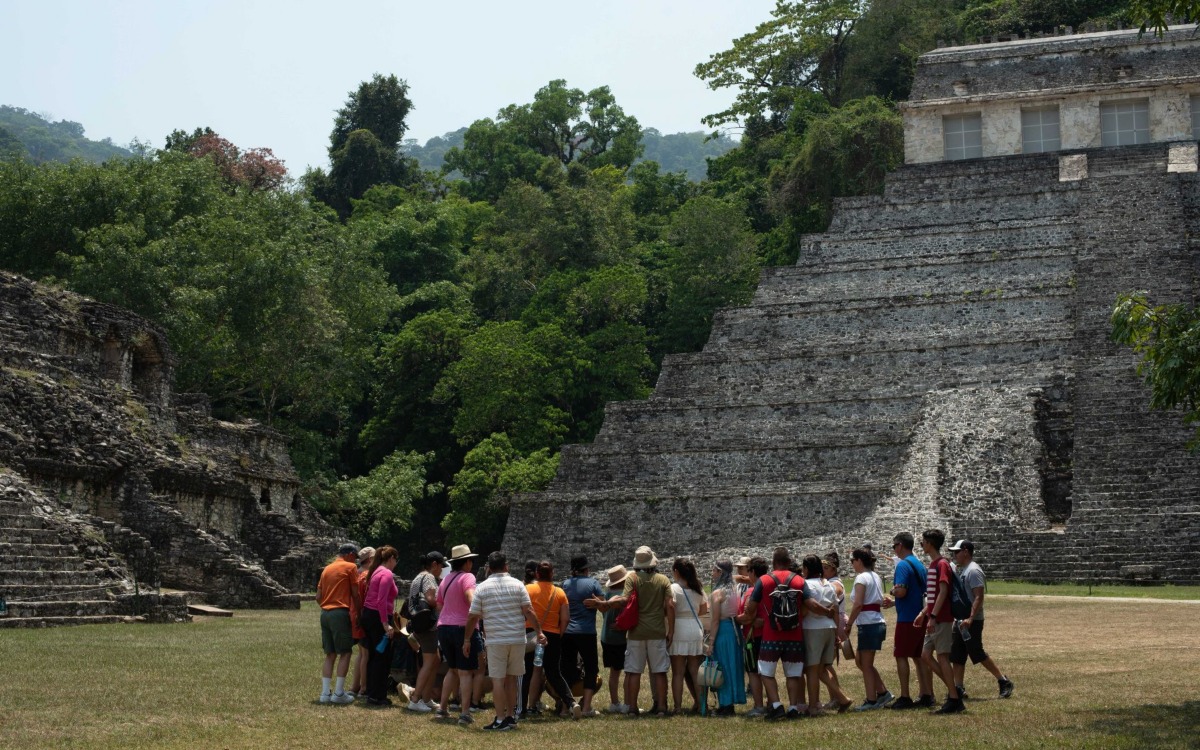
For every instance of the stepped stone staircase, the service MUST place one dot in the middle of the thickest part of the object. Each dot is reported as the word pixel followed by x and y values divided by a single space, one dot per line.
pixel 939 357
pixel 99 454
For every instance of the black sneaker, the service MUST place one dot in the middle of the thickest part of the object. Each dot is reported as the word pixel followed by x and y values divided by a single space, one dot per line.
pixel 794 713
pixel 902 703
pixel 951 706
pixel 1006 687
pixel 496 724
pixel 507 725
pixel 776 713
pixel 962 692
pixel 925 701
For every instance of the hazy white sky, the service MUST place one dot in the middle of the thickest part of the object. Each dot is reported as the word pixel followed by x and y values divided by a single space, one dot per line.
pixel 273 72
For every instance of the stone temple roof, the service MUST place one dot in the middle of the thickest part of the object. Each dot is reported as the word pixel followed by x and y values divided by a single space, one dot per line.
pixel 1107 59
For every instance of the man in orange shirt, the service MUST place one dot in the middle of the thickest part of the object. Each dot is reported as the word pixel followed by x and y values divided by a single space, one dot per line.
pixel 337 594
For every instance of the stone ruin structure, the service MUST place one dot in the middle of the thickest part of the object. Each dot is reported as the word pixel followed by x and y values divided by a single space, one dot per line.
pixel 112 485
pixel 940 357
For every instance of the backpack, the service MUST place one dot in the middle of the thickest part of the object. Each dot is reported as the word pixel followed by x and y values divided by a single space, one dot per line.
pixel 960 598
pixel 785 605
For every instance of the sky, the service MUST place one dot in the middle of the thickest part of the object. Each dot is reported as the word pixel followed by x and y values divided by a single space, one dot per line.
pixel 272 73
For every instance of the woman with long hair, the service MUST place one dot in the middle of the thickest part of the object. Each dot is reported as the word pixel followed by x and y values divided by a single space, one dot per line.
pixel 378 607
pixel 726 645
pixel 687 645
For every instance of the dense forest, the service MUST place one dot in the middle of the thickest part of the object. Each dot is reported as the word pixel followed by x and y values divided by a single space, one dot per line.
pixel 430 338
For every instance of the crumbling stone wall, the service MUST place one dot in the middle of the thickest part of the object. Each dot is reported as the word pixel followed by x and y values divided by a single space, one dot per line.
pixel 939 357
pixel 89 418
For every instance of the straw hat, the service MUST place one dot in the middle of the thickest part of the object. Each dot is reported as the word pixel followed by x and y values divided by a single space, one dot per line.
pixel 616 575
pixel 644 558
pixel 461 552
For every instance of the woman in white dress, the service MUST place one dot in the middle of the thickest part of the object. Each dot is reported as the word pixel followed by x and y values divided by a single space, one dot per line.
pixel 687 644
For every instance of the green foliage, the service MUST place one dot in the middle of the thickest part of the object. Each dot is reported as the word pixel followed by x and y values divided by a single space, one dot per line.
pixel 23 133
pixel 1167 338
pixel 562 125
pixel 1154 14
pixel 711 262
pixel 492 472
pixel 364 147
pixel 381 503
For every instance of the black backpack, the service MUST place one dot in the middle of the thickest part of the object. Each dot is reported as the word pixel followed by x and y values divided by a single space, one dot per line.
pixel 960 598
pixel 785 605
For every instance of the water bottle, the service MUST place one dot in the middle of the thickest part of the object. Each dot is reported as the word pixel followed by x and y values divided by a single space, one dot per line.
pixel 538 651
pixel 964 631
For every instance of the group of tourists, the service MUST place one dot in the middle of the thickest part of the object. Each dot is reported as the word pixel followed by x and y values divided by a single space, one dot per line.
pixel 471 631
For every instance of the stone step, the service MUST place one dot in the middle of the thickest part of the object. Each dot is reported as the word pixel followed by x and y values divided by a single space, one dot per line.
pixel 80 578
pixel 21 521
pixel 57 592
pixel 597 465
pixel 12 507
pixel 710 378
pixel 929 245
pixel 73 608
pixel 47 622
pixel 24 549
pixel 29 536
pixel 634 491
pixel 29 562
pixel 929 323
pixel 876 213
pixel 926 281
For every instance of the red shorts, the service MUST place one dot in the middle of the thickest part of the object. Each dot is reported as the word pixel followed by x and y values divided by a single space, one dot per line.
pixel 909 641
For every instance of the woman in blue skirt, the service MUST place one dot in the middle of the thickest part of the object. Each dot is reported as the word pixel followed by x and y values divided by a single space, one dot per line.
pixel 726 645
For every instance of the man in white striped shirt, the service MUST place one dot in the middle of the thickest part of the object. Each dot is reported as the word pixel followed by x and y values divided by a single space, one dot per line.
pixel 503 604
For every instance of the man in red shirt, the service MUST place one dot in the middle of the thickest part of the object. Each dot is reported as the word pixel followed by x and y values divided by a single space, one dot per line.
pixel 938 619
pixel 786 645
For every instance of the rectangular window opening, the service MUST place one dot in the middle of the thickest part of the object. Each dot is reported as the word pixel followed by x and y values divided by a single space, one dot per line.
pixel 1125 123
pixel 962 136
pixel 1039 130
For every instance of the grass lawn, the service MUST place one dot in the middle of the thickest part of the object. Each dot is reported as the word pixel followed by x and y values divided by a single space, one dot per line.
pixel 1087 673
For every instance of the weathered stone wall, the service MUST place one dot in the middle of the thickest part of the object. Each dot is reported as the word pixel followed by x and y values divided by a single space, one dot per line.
pixel 1074 74
pixel 940 357
pixel 88 416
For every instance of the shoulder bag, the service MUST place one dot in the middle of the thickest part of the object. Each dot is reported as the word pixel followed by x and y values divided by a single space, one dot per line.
pixel 628 618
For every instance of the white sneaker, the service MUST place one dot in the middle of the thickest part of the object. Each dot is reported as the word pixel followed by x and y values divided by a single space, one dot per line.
pixel 756 711
pixel 342 698
pixel 617 708
pixel 418 706
pixel 325 697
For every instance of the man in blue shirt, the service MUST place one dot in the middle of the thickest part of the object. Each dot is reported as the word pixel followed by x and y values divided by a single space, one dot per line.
pixel 908 597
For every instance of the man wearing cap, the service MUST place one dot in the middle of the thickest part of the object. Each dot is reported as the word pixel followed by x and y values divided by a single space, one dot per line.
pixel 971 575
pixel 502 602
pixel 579 639
pixel 646 642
pixel 454 597
pixel 337 594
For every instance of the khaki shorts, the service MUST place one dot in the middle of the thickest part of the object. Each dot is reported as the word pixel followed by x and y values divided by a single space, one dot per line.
pixel 941 639
pixel 638 653
pixel 505 659
pixel 820 646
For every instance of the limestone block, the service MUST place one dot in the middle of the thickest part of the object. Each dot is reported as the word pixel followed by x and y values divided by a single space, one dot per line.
pixel 922 136
pixel 1072 167
pixel 1170 116
pixel 1001 129
pixel 1079 123
pixel 1182 157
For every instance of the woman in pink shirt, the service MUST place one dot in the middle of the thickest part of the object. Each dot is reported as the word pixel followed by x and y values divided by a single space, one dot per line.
pixel 377 622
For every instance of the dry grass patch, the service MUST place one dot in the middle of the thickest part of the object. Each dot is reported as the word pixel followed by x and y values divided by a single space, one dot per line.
pixel 1087 673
